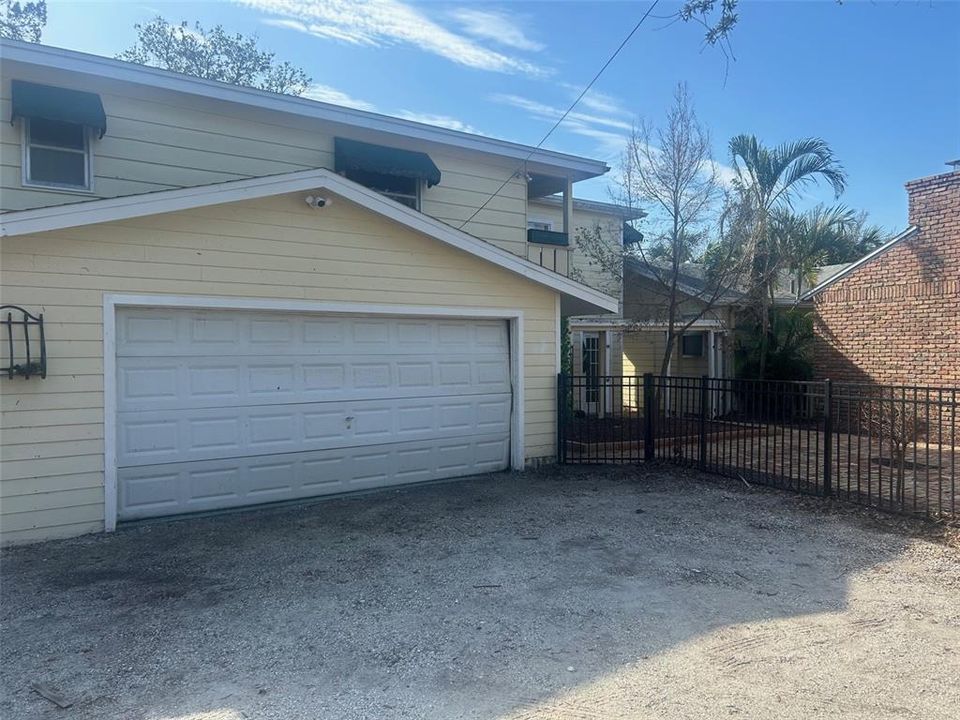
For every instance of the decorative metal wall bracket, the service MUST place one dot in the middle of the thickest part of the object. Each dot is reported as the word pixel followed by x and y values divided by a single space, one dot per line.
pixel 34 357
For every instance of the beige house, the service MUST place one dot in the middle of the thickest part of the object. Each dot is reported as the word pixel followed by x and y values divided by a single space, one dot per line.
pixel 632 343
pixel 596 338
pixel 250 298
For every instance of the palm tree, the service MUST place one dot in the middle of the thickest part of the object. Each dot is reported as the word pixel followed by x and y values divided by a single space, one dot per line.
pixel 806 241
pixel 768 179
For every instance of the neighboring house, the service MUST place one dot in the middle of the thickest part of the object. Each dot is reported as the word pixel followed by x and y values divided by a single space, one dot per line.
pixel 790 289
pixel 252 298
pixel 595 340
pixel 704 348
pixel 893 317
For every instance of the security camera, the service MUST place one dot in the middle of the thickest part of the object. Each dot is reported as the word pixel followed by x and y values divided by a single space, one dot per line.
pixel 315 201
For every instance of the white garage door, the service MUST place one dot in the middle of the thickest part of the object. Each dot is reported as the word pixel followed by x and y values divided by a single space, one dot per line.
pixel 220 409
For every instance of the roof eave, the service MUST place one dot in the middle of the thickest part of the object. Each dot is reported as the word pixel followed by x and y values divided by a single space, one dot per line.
pixel 598 206
pixel 579 168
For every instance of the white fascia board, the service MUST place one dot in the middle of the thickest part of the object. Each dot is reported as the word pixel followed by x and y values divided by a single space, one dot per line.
pixel 905 235
pixel 97 66
pixel 92 212
pixel 597 206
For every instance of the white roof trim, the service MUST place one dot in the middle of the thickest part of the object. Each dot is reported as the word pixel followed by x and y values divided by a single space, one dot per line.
pixel 72 61
pixel 597 206
pixel 92 212
pixel 905 235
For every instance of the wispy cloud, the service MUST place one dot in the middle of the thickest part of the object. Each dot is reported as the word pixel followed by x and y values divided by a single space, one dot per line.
pixel 609 134
pixel 495 26
pixel 608 146
pixel 444 121
pixel 327 94
pixel 382 23
pixel 551 112
pixel 332 33
pixel 598 102
pixel 725 174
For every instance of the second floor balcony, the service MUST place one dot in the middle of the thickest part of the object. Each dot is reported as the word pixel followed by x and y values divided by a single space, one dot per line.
pixel 549 250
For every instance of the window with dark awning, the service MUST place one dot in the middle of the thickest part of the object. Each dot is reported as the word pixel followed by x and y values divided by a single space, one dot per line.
pixel 46 102
pixel 354 156
pixel 631 236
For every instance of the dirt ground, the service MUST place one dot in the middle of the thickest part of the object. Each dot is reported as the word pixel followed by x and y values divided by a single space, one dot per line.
pixel 587 593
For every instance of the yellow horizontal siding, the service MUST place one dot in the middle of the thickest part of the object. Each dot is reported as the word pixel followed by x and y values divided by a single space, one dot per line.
pixel 160 140
pixel 580 265
pixel 52 430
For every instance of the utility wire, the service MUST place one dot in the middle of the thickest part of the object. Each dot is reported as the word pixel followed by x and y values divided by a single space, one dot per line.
pixel 567 112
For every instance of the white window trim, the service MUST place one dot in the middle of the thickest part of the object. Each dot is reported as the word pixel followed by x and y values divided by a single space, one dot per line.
pixel 588 389
pixel 112 302
pixel 540 221
pixel 25 180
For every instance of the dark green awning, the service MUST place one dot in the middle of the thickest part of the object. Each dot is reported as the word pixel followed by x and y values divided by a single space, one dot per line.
pixel 355 155
pixel 631 236
pixel 61 104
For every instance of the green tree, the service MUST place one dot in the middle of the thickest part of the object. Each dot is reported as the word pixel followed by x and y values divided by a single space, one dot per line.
pixel 767 181
pixel 22 20
pixel 669 171
pixel 808 240
pixel 785 352
pixel 821 236
pixel 213 55
pixel 718 18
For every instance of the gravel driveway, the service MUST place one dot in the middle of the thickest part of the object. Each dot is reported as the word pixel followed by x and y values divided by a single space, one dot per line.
pixel 573 594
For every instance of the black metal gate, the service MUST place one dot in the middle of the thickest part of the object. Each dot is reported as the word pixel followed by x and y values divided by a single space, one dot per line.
pixel 890 447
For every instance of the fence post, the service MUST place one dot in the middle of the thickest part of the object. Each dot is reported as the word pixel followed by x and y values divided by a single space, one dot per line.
pixel 704 399
pixel 827 436
pixel 648 411
pixel 561 402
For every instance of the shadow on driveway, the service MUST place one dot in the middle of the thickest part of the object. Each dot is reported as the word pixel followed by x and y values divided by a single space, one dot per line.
pixel 574 594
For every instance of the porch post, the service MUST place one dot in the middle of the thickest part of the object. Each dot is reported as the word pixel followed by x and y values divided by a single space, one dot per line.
pixel 711 366
pixel 568 208
pixel 666 385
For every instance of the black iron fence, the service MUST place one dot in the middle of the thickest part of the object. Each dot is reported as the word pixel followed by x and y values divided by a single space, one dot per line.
pixel 890 447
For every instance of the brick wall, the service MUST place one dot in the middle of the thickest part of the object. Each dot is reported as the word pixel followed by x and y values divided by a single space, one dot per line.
pixel 896 319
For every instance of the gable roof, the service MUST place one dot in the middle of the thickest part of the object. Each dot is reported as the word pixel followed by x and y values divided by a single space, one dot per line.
pixel 578 298
pixel 896 240
pixel 690 281
pixel 579 168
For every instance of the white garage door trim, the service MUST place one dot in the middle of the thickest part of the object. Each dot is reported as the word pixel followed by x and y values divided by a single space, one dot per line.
pixel 111 302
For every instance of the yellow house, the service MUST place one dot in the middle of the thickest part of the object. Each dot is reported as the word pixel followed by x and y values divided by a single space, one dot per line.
pixel 249 298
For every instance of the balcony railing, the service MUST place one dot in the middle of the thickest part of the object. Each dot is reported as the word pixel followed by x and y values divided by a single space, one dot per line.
pixel 551 257
pixel 547 237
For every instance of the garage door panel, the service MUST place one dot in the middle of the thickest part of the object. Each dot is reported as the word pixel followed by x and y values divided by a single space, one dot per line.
pixel 160 436
pixel 226 408
pixel 163 333
pixel 213 484
pixel 198 382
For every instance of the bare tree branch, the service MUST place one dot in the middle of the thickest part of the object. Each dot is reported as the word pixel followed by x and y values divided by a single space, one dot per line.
pixel 670 173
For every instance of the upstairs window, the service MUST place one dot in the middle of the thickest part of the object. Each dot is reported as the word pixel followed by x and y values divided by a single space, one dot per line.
pixel 58 127
pixel 56 154
pixel 397 173
pixel 539 225
pixel 405 190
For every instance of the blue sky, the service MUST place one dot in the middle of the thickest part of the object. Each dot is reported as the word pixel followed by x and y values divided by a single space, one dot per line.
pixel 880 81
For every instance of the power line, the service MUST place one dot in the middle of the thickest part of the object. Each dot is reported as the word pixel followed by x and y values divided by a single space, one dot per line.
pixel 566 112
